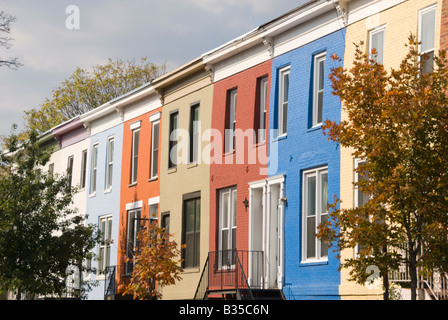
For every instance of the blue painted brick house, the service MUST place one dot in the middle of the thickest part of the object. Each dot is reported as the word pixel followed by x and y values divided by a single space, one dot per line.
pixel 301 93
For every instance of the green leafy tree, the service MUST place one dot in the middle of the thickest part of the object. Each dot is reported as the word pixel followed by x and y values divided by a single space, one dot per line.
pixel 397 122
pixel 86 90
pixel 41 235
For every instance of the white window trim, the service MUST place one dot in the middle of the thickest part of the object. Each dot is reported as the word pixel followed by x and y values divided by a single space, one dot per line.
pixel 107 218
pixel 232 191
pixel 371 34
pixel 109 164
pixel 317 58
pixel 420 28
pixel 317 172
pixel 133 167
pixel 283 71
pixel 263 109
pixel 230 132
pixel 94 171
pixel 83 176
pixel 153 124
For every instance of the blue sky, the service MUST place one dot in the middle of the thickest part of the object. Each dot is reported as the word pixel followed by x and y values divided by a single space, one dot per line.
pixel 171 31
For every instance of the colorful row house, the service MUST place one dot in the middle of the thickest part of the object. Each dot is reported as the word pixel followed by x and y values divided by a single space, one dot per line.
pixel 240 172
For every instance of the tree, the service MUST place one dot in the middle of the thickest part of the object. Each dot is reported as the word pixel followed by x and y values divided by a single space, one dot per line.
pixel 41 235
pixel 5 27
pixel 398 123
pixel 156 263
pixel 86 90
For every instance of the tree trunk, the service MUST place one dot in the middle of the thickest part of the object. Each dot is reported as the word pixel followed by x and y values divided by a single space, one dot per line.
pixel 386 286
pixel 413 273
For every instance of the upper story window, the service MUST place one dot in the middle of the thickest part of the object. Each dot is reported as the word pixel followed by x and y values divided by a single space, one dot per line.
pixel 70 171
pixel 173 136
pixel 109 163
pixel 318 88
pixel 426 35
pixel 155 149
pixel 83 169
pixel 194 134
pixel 376 41
pixel 135 127
pixel 230 120
pixel 260 116
pixel 94 169
pixel 283 100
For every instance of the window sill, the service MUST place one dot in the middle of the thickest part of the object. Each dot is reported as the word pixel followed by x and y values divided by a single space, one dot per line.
pixel 172 170
pixel 282 137
pixel 259 144
pixel 315 127
pixel 92 195
pixel 132 185
pixel 311 263
pixel 153 179
pixel 229 153
pixel 191 270
pixel 192 165
pixel 109 190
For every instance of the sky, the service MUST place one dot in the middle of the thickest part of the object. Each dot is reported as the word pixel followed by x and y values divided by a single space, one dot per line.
pixel 169 31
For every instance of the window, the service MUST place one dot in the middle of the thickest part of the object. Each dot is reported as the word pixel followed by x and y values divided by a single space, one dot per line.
pixel 134 227
pixel 70 171
pixel 155 149
pixel 360 197
pixel 174 119
pixel 260 109
pixel 94 169
pixel 318 88
pixel 426 32
pixel 315 200
pixel 227 226
pixel 110 163
pixel 83 169
pixel 283 100
pixel 105 228
pixel 376 41
pixel 51 170
pixel 165 221
pixel 134 158
pixel 231 120
pixel 194 133
pixel 191 231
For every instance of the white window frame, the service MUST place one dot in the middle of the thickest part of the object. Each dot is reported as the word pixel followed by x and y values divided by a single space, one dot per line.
pixel 317 173
pixel 83 178
pixel 94 171
pixel 283 101
pixel 194 134
pixel 230 225
pixel 173 139
pixel 263 109
pixel 104 246
pixel 110 163
pixel 70 168
pixel 377 30
pixel 231 126
pixel 316 90
pixel 155 151
pixel 420 27
pixel 134 155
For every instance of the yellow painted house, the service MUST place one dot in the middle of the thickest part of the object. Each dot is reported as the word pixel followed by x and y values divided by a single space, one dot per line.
pixel 384 25
pixel 186 95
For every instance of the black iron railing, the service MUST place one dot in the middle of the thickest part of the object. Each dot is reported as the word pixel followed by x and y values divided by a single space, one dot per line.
pixel 236 271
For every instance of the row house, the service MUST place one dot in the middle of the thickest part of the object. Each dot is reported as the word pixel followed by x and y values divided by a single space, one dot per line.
pixel 385 26
pixel 186 96
pixel 240 172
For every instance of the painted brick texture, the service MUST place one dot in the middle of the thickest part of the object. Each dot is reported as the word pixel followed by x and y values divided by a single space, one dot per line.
pixel 305 148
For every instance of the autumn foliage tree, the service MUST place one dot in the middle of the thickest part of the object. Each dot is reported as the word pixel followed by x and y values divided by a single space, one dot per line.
pixel 398 122
pixel 157 264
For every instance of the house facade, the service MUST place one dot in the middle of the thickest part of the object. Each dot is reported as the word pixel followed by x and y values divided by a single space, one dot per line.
pixel 186 95
pixel 139 196
pixel 103 185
